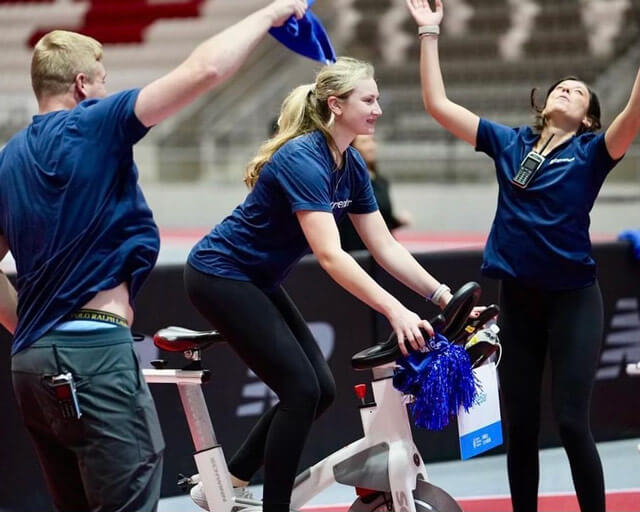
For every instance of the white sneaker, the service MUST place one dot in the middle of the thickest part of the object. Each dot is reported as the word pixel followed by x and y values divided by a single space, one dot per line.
pixel 199 498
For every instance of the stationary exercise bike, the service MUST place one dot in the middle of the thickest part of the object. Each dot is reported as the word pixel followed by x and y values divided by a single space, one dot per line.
pixel 384 466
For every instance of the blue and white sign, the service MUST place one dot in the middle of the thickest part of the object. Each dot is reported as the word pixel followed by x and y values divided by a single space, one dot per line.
pixel 480 429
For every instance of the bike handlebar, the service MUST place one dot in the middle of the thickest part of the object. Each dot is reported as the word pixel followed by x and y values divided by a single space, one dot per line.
pixel 449 322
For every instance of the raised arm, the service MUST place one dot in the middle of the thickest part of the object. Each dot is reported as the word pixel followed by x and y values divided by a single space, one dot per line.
pixel 322 234
pixel 212 62
pixel 8 295
pixel 626 125
pixel 393 256
pixel 456 119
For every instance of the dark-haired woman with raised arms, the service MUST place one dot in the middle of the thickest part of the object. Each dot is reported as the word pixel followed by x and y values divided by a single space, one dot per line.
pixel 549 176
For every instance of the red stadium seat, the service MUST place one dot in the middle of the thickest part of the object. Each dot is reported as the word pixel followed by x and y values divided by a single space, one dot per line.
pixel 124 21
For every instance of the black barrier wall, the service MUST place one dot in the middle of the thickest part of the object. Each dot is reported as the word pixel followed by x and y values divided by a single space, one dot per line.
pixel 342 326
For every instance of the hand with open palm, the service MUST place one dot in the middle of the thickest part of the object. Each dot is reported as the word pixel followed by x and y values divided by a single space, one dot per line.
pixel 423 14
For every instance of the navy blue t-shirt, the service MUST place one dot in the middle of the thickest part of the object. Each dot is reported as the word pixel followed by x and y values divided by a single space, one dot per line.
pixel 262 239
pixel 72 211
pixel 540 235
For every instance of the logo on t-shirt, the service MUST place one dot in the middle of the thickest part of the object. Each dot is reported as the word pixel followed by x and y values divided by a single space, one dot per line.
pixel 341 204
pixel 562 160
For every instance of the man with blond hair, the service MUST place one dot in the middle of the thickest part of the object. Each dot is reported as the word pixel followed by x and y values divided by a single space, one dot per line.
pixel 84 240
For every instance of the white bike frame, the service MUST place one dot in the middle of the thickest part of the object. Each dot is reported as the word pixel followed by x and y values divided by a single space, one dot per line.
pixel 384 459
pixel 209 457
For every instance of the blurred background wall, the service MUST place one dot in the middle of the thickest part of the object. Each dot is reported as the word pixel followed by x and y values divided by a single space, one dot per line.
pixel 492 51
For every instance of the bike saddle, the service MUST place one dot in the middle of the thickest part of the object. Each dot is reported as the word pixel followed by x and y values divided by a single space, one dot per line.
pixel 179 339
pixel 448 322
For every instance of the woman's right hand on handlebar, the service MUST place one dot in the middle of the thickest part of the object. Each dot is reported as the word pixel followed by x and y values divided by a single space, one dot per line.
pixel 408 328
pixel 423 14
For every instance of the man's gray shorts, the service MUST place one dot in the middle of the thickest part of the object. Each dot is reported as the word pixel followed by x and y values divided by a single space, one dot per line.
pixel 111 458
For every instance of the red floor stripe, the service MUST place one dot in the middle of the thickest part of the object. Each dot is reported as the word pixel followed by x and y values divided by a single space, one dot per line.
pixel 618 501
pixel 404 235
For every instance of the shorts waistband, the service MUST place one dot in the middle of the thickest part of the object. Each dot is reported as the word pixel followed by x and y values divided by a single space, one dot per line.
pixel 108 336
pixel 82 353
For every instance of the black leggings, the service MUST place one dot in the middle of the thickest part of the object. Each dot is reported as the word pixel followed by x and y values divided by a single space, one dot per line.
pixel 568 324
pixel 268 332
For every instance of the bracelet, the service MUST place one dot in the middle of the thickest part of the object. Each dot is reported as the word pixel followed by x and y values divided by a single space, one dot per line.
pixel 428 30
pixel 438 293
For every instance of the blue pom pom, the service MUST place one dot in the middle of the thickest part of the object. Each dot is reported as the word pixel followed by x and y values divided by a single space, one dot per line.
pixel 441 381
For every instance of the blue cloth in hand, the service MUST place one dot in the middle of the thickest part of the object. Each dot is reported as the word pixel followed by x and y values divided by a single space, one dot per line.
pixel 306 36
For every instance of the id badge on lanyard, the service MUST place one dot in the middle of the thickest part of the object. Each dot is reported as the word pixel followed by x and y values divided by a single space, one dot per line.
pixel 529 167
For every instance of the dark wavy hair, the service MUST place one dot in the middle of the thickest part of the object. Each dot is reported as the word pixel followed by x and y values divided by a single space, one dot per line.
pixel 593 111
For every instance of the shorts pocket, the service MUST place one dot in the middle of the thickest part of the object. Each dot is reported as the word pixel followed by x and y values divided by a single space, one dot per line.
pixel 152 443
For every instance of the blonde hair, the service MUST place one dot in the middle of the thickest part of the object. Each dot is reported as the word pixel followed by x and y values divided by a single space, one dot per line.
pixel 57 59
pixel 305 109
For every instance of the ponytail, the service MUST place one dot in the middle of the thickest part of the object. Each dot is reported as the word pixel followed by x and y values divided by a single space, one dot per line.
pixel 300 113
pixel 306 109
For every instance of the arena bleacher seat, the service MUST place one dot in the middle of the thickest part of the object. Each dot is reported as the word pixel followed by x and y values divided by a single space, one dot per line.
pixel 492 52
